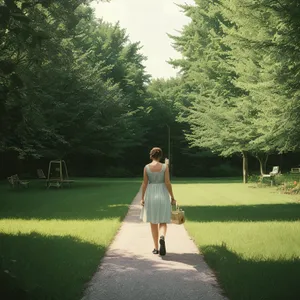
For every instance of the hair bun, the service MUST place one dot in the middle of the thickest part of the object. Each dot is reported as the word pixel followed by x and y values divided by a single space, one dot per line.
pixel 156 153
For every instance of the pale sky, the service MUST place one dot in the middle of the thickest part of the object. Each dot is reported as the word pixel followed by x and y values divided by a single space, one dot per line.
pixel 148 21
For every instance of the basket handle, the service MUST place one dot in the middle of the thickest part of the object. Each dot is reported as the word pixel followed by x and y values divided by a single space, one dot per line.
pixel 177 206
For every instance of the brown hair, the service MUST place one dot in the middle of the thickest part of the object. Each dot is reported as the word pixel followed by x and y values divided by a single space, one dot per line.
pixel 156 153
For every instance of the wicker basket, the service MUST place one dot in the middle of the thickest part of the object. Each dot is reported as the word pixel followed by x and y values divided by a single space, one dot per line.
pixel 178 216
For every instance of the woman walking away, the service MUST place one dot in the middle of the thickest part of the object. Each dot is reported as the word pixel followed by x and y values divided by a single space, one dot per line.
pixel 157 198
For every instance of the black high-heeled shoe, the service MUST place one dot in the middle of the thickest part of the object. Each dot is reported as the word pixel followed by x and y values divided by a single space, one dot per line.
pixel 155 251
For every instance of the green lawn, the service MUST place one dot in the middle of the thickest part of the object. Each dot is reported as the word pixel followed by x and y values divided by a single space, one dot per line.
pixel 249 236
pixel 52 240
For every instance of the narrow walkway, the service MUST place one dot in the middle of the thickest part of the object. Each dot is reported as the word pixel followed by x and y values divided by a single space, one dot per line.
pixel 130 271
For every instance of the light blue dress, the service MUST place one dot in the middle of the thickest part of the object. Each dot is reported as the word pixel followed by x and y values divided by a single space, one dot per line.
pixel 157 207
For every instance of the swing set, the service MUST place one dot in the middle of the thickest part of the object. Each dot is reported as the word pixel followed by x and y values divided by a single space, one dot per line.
pixel 58 174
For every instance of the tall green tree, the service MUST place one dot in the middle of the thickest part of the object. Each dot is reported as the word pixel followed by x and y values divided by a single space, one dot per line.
pixel 214 115
pixel 80 86
pixel 262 44
pixel 240 67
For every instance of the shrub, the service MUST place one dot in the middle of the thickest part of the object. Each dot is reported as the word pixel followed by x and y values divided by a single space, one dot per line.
pixel 290 187
pixel 254 178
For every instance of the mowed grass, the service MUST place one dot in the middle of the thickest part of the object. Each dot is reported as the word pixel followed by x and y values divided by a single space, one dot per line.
pixel 249 236
pixel 53 240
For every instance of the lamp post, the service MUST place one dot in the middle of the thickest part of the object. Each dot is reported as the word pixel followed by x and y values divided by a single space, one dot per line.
pixel 169 142
pixel 169 149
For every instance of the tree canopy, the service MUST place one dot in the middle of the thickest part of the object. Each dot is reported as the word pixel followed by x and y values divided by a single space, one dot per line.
pixel 73 86
pixel 240 63
pixel 70 84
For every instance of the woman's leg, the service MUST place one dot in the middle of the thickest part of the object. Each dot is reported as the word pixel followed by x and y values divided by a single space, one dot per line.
pixel 163 228
pixel 163 231
pixel 155 232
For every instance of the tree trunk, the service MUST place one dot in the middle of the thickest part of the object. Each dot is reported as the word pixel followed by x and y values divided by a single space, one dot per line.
pixel 245 166
pixel 262 163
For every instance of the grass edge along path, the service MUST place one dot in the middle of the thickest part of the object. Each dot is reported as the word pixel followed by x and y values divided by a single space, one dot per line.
pixel 248 236
pixel 51 241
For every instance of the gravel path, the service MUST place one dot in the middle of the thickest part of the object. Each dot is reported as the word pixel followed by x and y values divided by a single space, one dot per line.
pixel 130 271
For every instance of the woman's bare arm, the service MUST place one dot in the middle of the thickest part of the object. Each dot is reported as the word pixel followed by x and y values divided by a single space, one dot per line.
pixel 144 184
pixel 168 184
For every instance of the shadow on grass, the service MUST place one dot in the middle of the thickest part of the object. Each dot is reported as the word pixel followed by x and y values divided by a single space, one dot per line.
pixel 240 279
pixel 85 202
pixel 46 267
pixel 216 180
pixel 80 183
pixel 58 268
pixel 243 213
pixel 253 280
pixel 64 211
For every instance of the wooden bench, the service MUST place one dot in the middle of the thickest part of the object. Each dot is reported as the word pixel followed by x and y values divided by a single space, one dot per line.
pixel 15 181
pixel 295 170
pixel 271 175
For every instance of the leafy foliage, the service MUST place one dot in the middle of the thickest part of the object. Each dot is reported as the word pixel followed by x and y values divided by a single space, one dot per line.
pixel 240 68
pixel 70 84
